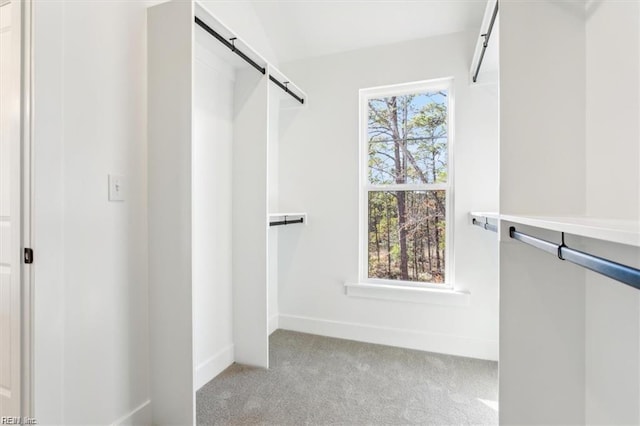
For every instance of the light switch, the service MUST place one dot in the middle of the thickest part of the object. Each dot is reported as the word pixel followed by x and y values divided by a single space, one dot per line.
pixel 116 188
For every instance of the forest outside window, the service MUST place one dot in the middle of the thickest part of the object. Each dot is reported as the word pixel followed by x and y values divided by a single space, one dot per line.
pixel 406 184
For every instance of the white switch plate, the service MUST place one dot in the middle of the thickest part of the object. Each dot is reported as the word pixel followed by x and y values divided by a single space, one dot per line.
pixel 116 188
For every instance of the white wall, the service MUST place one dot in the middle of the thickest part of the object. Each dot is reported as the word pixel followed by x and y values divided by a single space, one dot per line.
pixel 241 18
pixel 90 302
pixel 273 206
pixel 613 190
pixel 49 218
pixel 569 338
pixel 612 342
pixel 250 209
pixel 319 174
pixel 542 172
pixel 212 156
pixel 170 211
pixel 91 326
pixel 613 109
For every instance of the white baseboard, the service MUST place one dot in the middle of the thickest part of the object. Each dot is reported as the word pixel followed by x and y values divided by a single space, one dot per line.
pixel 411 339
pixel 207 370
pixel 273 323
pixel 141 415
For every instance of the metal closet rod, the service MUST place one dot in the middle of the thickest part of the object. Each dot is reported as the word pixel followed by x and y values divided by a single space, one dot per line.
pixel 486 40
pixel 617 271
pixel 485 225
pixel 231 45
pixel 286 222
pixel 284 87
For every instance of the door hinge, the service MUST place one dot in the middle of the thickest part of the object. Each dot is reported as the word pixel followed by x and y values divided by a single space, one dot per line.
pixel 28 256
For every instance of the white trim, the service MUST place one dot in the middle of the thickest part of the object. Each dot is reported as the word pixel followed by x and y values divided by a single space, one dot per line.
pixel 450 257
pixel 412 294
pixel 408 187
pixel 273 323
pixel 364 186
pixel 28 191
pixel 274 215
pixel 209 369
pixel 411 339
pixel 446 286
pixel 488 215
pixel 141 415
pixel 607 229
pixel 407 88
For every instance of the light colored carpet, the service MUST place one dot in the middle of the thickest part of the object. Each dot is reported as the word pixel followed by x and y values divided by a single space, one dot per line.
pixel 316 380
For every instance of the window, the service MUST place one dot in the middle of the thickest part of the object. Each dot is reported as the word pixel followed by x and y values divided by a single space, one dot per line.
pixel 405 184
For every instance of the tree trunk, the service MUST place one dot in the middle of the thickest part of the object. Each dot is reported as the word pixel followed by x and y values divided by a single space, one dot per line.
pixel 437 235
pixel 376 224
pixel 401 173
pixel 402 219
pixel 388 239
pixel 415 259
pixel 429 242
pixel 422 263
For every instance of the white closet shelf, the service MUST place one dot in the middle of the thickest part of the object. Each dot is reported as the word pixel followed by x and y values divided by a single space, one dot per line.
pixel 293 218
pixel 488 215
pixel 276 215
pixel 482 219
pixel 202 12
pixel 614 230
pixel 485 58
pixel 290 95
pixel 287 101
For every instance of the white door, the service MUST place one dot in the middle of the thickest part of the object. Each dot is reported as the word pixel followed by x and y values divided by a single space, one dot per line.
pixel 10 211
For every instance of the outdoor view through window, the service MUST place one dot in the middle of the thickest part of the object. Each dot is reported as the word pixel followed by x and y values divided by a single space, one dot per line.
pixel 407 186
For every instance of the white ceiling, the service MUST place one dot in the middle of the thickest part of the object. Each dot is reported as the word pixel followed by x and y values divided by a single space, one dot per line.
pixel 305 28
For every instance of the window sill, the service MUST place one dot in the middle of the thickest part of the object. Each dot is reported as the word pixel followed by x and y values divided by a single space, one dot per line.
pixel 447 297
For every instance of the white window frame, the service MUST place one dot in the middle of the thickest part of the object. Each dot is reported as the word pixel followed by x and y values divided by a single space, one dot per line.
pixel 365 187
